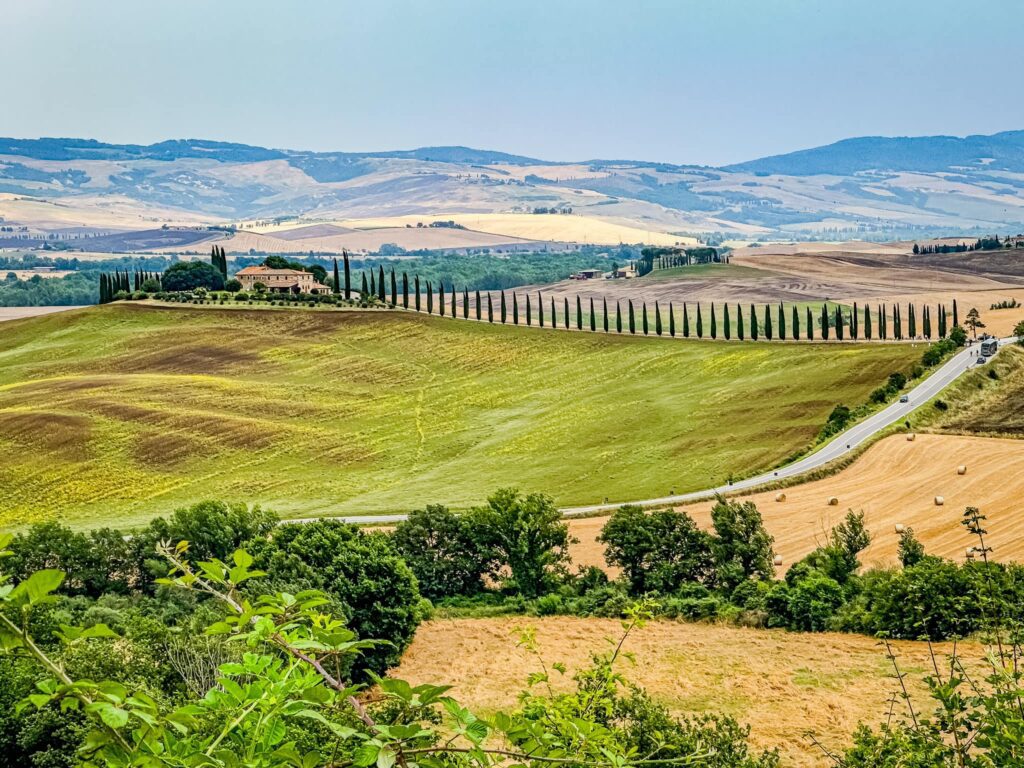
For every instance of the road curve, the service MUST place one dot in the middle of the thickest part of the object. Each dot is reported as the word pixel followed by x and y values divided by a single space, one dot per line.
pixel 842 444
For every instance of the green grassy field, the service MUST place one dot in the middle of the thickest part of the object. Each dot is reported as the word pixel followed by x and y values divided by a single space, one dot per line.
pixel 112 414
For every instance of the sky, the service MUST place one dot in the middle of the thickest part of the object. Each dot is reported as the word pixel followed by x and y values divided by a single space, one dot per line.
pixel 682 81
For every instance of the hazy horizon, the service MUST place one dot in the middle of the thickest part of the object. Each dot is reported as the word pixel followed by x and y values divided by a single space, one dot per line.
pixel 685 82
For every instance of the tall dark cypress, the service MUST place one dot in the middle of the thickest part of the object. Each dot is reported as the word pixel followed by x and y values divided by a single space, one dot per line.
pixel 883 323
pixel 853 322
pixel 686 321
pixel 490 308
pixel 643 316
pixel 364 292
pixel 700 322
pixel 417 293
pixel 529 312
pixel 727 322
pixel 671 320
pixel 579 313
pixel 440 295
pixel 337 278
pixel 926 321
pixel 604 313
pixel 739 321
pixel 504 309
pixel 479 313
pixel 381 292
pixel 554 314
pixel 618 316
pixel 394 288
pixel 912 321
pixel 373 284
pixel 942 322
pixel 405 290
pixel 897 323
pixel 714 322
pixel 839 323
pixel 565 318
pixel 867 322
pixel 348 281
pixel 454 300
pixel 956 316
pixel 465 304
pixel 824 322
pixel 430 299
pixel 657 318
pixel 782 323
pixel 632 318
pixel 796 325
pixel 753 323
pixel 515 309
pixel 593 319
pixel 768 322
pixel 810 325
pixel 540 310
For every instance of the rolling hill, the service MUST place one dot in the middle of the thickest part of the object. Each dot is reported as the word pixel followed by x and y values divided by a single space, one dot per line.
pixel 121 412
pixel 865 187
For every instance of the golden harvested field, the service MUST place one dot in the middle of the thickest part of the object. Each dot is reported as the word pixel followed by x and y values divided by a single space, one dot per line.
pixel 783 684
pixel 114 211
pixel 20 313
pixel 895 481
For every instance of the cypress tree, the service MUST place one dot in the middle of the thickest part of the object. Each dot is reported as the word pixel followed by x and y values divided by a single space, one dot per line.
pixel 839 323
pixel 867 322
pixel 926 321
pixel 490 308
pixel 632 318
pixel 593 318
pixel 714 322
pixel 381 293
pixel 504 309
pixel 604 313
pixel 897 323
pixel 824 322
pixel 579 313
pixel 529 312
pixel 618 317
pixel 739 321
pixel 554 314
pixel 364 292
pixel 565 305
pixel 810 325
pixel 440 296
pixel 479 308
pixel 956 316
pixel 348 281
pixel 465 304
pixel 942 322
pixel 753 323
pixel 912 321
pixel 455 303
pixel 337 278
pixel 515 309
pixel 417 293
pixel 540 310
pixel 643 316
pixel 767 322
pixel 394 288
pixel 671 320
pixel 796 324
pixel 686 321
pixel 883 323
pixel 782 323
pixel 853 322
pixel 430 299
pixel 373 284
pixel 657 318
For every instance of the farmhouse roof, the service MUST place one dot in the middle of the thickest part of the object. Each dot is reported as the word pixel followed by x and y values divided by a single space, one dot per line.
pixel 261 269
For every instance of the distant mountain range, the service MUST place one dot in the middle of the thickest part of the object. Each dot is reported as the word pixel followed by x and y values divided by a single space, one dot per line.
pixel 875 186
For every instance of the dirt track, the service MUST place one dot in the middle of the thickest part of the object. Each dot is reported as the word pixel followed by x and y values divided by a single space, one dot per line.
pixel 895 481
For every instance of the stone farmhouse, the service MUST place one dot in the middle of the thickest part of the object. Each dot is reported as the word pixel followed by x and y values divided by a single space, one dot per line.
pixel 280 280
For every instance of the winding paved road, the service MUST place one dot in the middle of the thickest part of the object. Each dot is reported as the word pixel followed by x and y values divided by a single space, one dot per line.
pixel 842 444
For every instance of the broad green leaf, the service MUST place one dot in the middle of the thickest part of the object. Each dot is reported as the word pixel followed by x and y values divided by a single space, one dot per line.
pixel 37 587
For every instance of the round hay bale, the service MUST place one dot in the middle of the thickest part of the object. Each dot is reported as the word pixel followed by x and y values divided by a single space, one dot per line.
pixel 962 469
pixel 778 560
pixel 970 552
pixel 780 497
pixel 899 528
pixel 939 501
pixel 910 437
pixel 833 501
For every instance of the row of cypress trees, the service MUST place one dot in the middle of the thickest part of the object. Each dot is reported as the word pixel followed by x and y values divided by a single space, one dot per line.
pixel 773 324
pixel 219 259
pixel 112 283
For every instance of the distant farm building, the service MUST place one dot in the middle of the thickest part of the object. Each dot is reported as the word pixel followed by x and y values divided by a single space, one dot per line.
pixel 280 280
pixel 587 274
pixel 624 273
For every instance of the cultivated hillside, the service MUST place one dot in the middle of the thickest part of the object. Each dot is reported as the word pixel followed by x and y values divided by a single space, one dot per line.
pixel 868 186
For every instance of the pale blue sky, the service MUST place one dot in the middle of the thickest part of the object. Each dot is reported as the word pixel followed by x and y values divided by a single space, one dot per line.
pixel 690 81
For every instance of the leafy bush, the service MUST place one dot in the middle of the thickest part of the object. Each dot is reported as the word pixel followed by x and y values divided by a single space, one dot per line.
pixel 190 275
